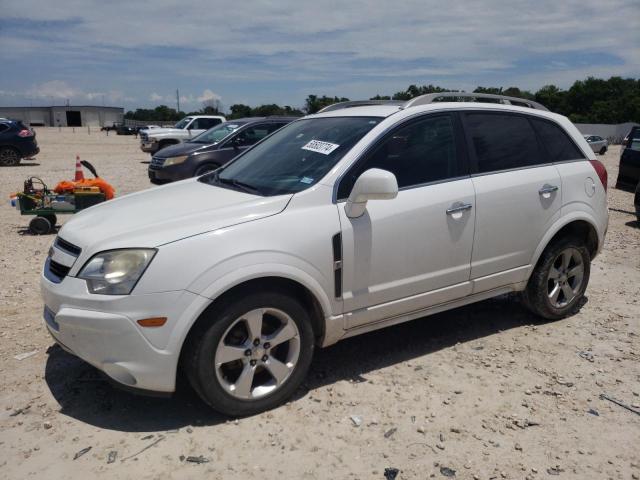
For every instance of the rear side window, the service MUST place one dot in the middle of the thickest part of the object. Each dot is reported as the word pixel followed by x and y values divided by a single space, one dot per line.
pixel 503 141
pixel 557 143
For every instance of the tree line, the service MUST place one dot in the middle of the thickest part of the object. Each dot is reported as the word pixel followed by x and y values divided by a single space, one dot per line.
pixel 594 100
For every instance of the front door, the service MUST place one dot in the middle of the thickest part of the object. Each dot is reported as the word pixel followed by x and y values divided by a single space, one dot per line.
pixel 414 251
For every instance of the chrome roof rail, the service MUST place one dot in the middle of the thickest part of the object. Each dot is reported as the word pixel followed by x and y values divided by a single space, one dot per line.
pixel 360 103
pixel 477 97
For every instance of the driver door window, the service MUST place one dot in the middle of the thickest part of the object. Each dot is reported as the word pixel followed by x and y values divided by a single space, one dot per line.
pixel 419 153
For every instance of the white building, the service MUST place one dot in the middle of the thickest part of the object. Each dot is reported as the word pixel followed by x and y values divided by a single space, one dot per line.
pixel 65 116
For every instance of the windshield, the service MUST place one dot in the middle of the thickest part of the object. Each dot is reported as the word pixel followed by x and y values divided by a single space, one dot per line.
pixel 217 133
pixel 183 123
pixel 295 157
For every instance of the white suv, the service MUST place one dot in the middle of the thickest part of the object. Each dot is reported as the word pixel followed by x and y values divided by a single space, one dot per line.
pixel 340 223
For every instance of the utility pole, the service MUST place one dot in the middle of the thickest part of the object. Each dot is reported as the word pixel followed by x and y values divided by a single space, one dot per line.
pixel 178 98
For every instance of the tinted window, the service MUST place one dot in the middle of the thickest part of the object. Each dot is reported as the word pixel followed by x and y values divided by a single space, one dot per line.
pixel 557 143
pixel 503 141
pixel 418 153
pixel 3 127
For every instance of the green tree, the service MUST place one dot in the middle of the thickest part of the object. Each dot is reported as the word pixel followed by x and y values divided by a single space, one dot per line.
pixel 313 103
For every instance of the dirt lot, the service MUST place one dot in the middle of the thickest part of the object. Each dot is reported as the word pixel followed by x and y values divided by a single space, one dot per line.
pixel 484 391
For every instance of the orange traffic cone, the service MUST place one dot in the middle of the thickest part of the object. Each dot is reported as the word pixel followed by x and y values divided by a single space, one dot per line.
pixel 79 174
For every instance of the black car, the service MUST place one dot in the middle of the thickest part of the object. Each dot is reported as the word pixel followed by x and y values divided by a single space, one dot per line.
pixel 211 149
pixel 16 142
pixel 126 130
pixel 629 172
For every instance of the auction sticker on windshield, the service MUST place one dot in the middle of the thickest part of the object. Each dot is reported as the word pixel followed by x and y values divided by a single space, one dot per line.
pixel 319 146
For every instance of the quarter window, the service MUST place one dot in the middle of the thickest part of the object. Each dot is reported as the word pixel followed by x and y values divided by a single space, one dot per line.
pixel 421 152
pixel 503 142
pixel 557 143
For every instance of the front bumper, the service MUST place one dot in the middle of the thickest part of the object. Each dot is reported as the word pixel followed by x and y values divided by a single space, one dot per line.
pixel 102 330
pixel 170 173
pixel 149 146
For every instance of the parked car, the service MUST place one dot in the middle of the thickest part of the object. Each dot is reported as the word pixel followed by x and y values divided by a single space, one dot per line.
pixel 189 127
pixel 108 128
pixel 636 202
pixel 597 143
pixel 16 142
pixel 211 149
pixel 126 130
pixel 629 171
pixel 339 223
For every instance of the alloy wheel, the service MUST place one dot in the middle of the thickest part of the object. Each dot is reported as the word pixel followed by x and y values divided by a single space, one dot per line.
pixel 9 157
pixel 565 277
pixel 257 353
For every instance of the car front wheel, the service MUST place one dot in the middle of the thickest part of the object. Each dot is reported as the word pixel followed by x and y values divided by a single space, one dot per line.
pixel 250 353
pixel 560 279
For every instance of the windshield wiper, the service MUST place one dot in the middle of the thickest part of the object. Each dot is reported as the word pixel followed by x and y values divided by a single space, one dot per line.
pixel 237 183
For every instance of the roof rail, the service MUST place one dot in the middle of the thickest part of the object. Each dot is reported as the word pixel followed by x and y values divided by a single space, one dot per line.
pixel 360 103
pixel 477 97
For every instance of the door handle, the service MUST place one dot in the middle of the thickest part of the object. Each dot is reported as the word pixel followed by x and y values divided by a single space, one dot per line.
pixel 458 208
pixel 546 188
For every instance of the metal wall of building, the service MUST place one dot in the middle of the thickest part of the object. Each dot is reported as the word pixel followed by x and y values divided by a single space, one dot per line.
pixel 94 116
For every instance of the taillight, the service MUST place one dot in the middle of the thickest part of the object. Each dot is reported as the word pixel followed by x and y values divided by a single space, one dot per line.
pixel 601 171
pixel 25 132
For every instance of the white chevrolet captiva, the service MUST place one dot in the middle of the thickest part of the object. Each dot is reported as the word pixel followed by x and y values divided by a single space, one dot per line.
pixel 362 216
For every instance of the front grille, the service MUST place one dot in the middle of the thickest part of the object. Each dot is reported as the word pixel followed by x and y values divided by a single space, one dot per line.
pixel 157 162
pixel 57 269
pixel 144 137
pixel 70 248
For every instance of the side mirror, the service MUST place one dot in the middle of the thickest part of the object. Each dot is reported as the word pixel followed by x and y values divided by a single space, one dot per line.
pixel 374 184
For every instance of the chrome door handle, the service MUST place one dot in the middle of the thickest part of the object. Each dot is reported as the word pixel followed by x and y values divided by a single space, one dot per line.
pixel 547 189
pixel 458 208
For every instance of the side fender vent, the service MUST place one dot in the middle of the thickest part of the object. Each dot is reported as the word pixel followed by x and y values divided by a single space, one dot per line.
pixel 336 243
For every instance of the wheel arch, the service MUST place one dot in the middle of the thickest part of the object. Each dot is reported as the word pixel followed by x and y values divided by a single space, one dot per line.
pixel 580 226
pixel 286 284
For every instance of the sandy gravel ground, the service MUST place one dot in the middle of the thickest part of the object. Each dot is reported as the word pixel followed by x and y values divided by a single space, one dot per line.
pixel 479 392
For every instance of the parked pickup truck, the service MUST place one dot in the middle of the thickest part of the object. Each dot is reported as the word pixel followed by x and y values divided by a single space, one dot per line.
pixel 152 140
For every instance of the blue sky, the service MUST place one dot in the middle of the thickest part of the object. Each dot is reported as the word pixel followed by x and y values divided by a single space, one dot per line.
pixel 136 53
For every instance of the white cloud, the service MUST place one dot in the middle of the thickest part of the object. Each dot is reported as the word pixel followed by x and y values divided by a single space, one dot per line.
pixel 208 96
pixel 154 97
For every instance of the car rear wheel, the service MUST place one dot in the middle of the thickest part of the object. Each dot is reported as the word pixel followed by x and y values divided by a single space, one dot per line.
pixel 9 157
pixel 603 150
pixel 557 285
pixel 251 353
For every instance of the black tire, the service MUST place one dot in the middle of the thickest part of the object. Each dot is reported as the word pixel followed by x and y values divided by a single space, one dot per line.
pixel 9 157
pixel 206 168
pixel 603 150
pixel 536 295
pixel 40 226
pixel 52 219
pixel 203 341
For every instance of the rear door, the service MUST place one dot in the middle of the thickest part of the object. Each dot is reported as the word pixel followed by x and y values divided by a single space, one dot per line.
pixel 517 196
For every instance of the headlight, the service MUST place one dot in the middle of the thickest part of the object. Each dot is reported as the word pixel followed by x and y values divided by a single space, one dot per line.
pixel 116 272
pixel 175 160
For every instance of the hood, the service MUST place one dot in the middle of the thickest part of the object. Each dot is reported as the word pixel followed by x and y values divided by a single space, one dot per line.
pixel 165 214
pixel 185 148
pixel 152 132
